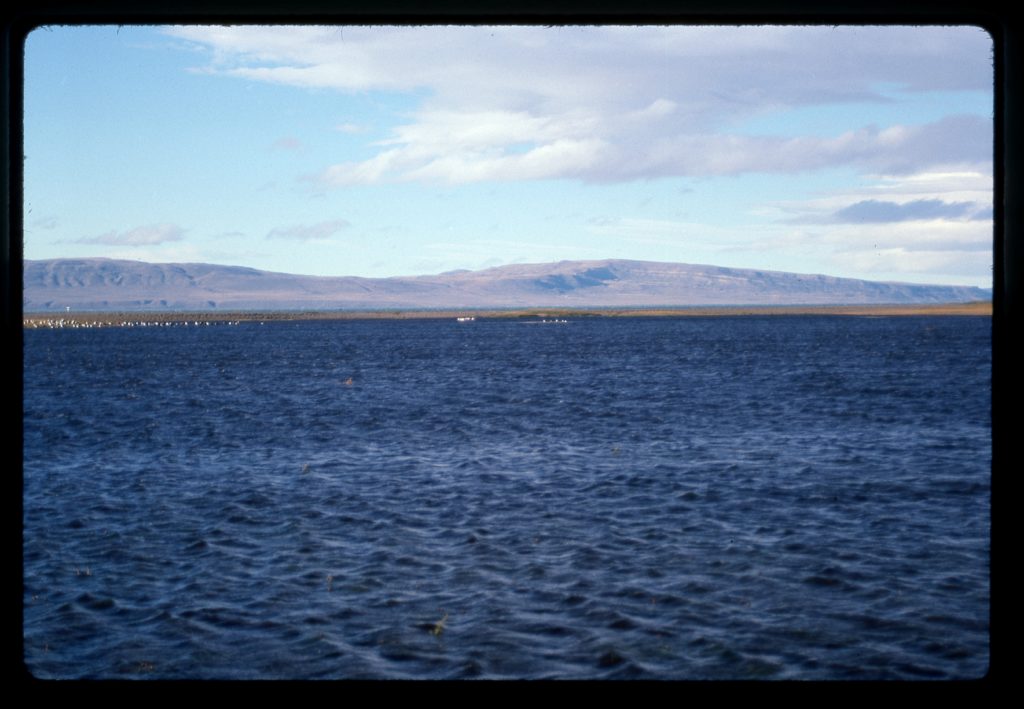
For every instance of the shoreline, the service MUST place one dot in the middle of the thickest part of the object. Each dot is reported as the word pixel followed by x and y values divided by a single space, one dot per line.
pixel 143 318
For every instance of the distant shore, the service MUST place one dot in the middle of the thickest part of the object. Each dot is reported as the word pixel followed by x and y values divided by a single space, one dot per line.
pixel 126 319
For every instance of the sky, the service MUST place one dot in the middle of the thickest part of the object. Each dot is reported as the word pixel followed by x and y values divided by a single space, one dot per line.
pixel 853 151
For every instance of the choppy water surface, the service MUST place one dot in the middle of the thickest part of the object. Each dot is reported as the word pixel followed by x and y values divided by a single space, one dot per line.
pixel 764 497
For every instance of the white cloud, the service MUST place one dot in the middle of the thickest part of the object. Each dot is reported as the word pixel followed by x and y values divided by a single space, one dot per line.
pixel 931 227
pixel 879 211
pixel 955 185
pixel 621 103
pixel 970 187
pixel 481 147
pixel 923 235
pixel 598 65
pixel 480 253
pixel 640 227
pixel 287 143
pixel 950 266
pixel 177 253
pixel 309 232
pixel 139 236
pixel 934 251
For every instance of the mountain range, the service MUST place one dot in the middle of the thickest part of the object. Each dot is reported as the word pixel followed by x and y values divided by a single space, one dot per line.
pixel 98 284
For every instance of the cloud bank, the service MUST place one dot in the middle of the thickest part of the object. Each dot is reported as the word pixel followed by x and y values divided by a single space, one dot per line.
pixel 877 211
pixel 607 104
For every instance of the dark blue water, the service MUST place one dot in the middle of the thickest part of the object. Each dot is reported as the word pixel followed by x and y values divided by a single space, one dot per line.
pixel 763 497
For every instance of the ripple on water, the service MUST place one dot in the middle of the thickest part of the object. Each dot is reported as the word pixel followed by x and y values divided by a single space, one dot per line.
pixel 747 504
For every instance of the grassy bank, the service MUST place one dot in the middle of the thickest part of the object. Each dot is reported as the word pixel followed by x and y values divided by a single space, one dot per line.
pixel 114 319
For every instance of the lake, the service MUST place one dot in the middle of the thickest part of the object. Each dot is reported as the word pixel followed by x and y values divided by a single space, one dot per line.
pixel 783 497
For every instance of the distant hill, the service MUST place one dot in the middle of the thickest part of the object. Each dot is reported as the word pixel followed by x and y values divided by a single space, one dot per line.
pixel 104 284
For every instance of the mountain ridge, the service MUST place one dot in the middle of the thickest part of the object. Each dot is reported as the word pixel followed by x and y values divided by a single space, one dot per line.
pixel 98 284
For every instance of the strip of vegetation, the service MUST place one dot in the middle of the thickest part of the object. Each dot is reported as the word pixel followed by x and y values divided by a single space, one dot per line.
pixel 144 319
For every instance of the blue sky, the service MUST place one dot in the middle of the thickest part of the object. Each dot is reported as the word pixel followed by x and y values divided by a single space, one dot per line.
pixel 863 152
